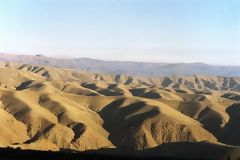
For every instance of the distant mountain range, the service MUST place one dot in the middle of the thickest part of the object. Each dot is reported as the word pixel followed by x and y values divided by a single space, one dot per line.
pixel 59 109
pixel 126 67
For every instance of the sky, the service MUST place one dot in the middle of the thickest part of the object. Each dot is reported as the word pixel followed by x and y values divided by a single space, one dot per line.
pixel 170 31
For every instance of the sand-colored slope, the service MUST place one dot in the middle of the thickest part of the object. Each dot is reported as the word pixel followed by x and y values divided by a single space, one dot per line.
pixel 143 125
pixel 11 130
pixel 85 123
pixel 70 109
pixel 208 110
pixel 25 108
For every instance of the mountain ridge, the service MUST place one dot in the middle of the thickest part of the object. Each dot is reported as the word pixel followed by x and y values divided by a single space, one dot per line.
pixel 49 108
pixel 126 67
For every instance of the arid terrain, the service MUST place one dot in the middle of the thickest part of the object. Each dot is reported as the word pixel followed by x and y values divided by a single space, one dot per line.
pixel 49 108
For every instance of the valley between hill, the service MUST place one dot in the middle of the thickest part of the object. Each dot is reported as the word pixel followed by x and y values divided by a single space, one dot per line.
pixel 47 108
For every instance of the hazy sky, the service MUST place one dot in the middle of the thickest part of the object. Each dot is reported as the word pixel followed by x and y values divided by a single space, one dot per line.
pixel 138 30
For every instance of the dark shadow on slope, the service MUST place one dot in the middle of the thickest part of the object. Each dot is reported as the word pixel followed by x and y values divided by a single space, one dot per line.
pixel 174 151
pixel 78 129
pixel 211 120
pixel 24 85
pixel 193 150
pixel 231 96
pixel 120 122
pixel 232 128
pixel 142 92
pixel 38 134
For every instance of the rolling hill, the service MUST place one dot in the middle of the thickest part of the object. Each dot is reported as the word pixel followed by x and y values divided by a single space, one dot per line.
pixel 52 108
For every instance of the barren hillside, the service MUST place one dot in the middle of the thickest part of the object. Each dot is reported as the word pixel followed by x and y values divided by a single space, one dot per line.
pixel 47 108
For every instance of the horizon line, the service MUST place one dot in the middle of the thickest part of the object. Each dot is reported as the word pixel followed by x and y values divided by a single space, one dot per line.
pixel 114 60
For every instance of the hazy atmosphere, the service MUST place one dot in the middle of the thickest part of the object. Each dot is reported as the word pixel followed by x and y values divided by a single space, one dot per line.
pixel 132 30
pixel 119 79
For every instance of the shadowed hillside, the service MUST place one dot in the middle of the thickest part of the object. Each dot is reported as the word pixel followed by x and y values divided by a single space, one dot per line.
pixel 60 109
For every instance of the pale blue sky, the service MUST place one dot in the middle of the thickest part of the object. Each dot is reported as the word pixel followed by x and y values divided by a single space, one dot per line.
pixel 136 30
